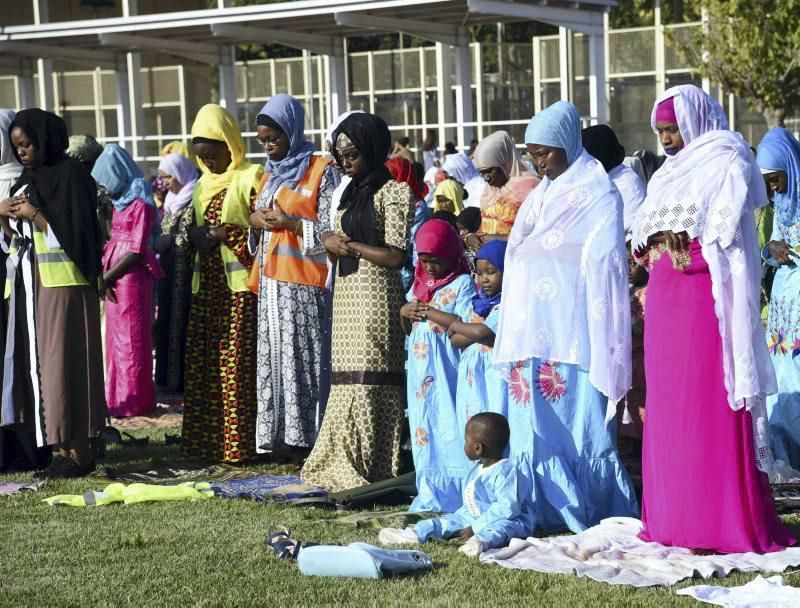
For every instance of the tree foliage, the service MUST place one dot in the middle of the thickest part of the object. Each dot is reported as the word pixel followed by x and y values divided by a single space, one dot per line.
pixel 752 49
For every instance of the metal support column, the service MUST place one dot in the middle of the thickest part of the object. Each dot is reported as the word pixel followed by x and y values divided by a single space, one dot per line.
pixel 227 79
pixel 336 81
pixel 565 62
pixel 598 99
pixel 444 91
pixel 465 111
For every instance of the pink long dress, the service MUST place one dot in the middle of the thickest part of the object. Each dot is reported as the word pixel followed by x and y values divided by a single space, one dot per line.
pixel 130 390
pixel 701 487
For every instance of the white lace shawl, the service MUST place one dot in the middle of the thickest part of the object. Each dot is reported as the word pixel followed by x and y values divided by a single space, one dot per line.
pixel 633 191
pixel 710 189
pixel 565 285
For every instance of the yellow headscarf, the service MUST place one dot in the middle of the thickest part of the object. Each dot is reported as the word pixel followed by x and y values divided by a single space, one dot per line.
pixel 176 147
pixel 453 191
pixel 215 122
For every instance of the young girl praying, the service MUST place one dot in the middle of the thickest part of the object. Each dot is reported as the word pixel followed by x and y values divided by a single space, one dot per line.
pixel 480 387
pixel 442 292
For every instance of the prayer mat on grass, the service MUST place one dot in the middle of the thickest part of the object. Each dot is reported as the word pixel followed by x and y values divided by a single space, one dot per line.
pixel 384 519
pixel 786 497
pixel 162 475
pixel 12 487
pixel 283 489
pixel 133 494
pixel 611 552
pixel 396 490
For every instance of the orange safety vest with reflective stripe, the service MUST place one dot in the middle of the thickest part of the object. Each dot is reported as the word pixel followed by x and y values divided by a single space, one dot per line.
pixel 285 260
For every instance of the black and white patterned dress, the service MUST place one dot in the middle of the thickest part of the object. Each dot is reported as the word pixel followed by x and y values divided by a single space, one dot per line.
pixel 290 340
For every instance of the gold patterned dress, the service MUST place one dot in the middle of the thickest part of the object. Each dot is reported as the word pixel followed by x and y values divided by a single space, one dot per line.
pixel 359 442
pixel 219 418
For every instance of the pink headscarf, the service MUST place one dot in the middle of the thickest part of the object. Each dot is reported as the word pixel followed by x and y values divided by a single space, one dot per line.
pixel 438 238
pixel 665 111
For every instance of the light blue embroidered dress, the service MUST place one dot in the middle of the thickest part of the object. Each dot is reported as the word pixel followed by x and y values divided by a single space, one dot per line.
pixel 480 387
pixel 561 442
pixel 780 151
pixel 783 340
pixel 496 504
pixel 432 375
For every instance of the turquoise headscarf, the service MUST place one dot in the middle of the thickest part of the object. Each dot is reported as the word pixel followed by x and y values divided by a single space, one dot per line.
pixel 780 151
pixel 117 172
pixel 557 126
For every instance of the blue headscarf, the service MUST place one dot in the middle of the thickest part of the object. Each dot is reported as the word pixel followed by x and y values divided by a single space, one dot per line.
pixel 557 126
pixel 117 172
pixel 493 252
pixel 780 151
pixel 290 116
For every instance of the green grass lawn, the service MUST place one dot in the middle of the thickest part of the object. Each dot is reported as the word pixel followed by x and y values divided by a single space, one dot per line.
pixel 212 553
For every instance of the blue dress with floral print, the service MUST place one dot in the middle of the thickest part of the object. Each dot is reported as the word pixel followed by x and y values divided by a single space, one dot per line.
pixel 561 442
pixel 480 387
pixel 783 340
pixel 437 443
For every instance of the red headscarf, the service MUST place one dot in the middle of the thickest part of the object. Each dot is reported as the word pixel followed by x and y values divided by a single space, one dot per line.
pixel 403 171
pixel 440 239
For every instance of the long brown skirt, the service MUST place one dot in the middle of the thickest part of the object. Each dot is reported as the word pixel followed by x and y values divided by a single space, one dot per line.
pixel 70 350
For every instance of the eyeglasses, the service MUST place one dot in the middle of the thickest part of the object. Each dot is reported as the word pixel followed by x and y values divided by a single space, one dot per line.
pixel 269 141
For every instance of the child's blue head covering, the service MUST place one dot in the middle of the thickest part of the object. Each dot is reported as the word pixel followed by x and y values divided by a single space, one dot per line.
pixel 493 252
pixel 557 126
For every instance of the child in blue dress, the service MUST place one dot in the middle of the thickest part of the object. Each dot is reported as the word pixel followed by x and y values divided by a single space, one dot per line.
pixel 497 500
pixel 480 387
pixel 442 292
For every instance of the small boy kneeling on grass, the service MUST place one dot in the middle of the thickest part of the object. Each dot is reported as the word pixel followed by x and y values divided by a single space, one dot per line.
pixel 497 500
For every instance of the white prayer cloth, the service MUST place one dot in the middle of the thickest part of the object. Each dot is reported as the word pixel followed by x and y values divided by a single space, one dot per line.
pixel 710 189
pixel 611 552
pixel 759 593
pixel 565 285
pixel 633 191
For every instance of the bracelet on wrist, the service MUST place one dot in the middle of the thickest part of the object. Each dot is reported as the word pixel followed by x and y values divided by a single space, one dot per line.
pixel 35 213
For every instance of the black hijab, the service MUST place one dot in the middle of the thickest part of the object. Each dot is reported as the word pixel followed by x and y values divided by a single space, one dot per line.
pixel 601 142
pixel 62 189
pixel 370 134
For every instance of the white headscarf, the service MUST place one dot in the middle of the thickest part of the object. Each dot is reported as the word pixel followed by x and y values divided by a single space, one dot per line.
pixel 182 169
pixel 10 169
pixel 565 285
pixel 710 189
pixel 460 167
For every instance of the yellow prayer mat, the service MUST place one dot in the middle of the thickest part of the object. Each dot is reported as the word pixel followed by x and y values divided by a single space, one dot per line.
pixel 134 493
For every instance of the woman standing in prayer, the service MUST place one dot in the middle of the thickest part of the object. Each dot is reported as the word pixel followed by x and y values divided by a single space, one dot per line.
pixel 704 448
pixel 779 161
pixel 508 182
pixel 601 142
pixel 129 269
pixel 564 338
pixel 461 168
pixel 55 273
pixel 360 439
pixel 16 413
pixel 291 214
pixel 175 256
pixel 220 407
